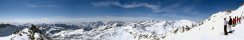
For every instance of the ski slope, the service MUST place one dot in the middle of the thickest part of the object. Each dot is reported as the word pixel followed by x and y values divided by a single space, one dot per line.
pixel 206 33
pixel 213 28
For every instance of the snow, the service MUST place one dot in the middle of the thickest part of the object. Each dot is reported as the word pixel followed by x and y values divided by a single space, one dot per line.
pixel 36 35
pixel 25 30
pixel 17 36
pixel 184 23
pixel 213 29
pixel 24 37
pixel 123 35
pixel 141 30
pixel 156 28
pixel 209 34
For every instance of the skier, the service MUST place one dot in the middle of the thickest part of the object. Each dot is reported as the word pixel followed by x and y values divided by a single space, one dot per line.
pixel 236 21
pixel 233 22
pixel 230 23
pixel 225 27
pixel 239 20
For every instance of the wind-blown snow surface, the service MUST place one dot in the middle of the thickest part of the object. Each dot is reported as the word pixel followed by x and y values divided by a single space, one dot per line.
pixel 213 28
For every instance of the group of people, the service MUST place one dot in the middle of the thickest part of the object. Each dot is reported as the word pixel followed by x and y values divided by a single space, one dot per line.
pixel 231 23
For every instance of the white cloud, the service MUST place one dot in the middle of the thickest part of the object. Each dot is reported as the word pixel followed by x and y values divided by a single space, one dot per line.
pixel 41 5
pixel 75 20
pixel 154 7
pixel 172 8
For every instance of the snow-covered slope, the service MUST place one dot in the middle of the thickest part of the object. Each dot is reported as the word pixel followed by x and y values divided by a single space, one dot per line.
pixel 25 34
pixel 213 28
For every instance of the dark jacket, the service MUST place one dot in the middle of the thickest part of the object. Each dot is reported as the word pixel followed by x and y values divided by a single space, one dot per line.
pixel 230 22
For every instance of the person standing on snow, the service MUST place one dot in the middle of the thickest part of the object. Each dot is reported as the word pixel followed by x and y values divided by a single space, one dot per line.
pixel 230 23
pixel 225 27
pixel 233 22
pixel 240 20
pixel 236 20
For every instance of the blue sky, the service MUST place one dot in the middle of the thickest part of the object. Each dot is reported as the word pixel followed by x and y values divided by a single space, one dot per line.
pixel 147 9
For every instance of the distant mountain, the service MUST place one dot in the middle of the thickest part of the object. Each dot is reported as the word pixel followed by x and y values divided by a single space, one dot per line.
pixel 103 30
